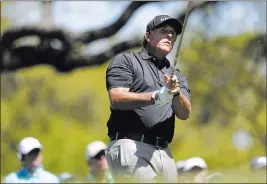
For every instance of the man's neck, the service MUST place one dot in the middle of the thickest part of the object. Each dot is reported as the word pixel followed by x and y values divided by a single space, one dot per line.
pixel 154 52
pixel 32 169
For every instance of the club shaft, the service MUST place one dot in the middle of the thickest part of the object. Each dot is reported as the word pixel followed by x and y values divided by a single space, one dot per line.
pixel 182 34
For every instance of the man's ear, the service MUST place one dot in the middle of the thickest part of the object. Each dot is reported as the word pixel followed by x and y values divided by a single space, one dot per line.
pixel 147 37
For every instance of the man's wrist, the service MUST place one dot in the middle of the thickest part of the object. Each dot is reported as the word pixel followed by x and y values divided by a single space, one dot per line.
pixel 177 94
pixel 155 95
pixel 162 96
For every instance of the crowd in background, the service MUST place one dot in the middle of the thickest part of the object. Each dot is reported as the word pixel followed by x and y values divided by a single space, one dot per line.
pixel 32 171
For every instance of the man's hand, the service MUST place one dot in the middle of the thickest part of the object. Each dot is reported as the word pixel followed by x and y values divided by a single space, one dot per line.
pixel 172 83
pixel 162 96
pixel 165 94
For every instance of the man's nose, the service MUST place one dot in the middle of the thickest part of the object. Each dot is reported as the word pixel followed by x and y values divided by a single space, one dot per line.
pixel 169 35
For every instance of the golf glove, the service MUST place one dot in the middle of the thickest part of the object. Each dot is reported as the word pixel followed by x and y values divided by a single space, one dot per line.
pixel 162 96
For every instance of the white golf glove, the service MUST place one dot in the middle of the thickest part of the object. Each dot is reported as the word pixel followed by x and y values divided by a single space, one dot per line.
pixel 162 96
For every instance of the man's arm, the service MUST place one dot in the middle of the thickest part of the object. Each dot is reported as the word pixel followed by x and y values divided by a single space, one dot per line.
pixel 119 79
pixel 121 98
pixel 181 106
pixel 181 103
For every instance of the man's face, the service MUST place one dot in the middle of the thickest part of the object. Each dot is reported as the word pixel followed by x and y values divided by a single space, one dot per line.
pixel 99 162
pixel 162 38
pixel 33 159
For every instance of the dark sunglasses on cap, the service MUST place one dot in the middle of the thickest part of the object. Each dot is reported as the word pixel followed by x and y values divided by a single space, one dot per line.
pixel 99 155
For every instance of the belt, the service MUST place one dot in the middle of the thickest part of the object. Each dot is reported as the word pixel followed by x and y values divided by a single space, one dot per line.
pixel 154 141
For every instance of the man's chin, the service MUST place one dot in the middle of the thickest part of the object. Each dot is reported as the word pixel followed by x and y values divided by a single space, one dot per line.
pixel 165 50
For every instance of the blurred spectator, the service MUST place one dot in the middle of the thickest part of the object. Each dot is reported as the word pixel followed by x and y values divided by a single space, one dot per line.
pixel 191 164
pixel 198 166
pixel 258 163
pixel 29 154
pixel 66 177
pixel 97 163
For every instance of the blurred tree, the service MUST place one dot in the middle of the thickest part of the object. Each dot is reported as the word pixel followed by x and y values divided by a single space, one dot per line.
pixel 60 50
pixel 226 76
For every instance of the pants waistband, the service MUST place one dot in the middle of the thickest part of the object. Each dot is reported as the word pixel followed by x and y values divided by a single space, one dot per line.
pixel 154 141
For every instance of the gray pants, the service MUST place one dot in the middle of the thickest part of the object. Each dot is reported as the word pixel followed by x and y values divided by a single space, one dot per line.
pixel 134 161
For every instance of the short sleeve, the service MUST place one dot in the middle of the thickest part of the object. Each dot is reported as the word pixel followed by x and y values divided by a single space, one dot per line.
pixel 119 73
pixel 183 85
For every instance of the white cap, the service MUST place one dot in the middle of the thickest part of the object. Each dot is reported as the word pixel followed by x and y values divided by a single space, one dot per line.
pixel 27 144
pixel 180 165
pixel 94 148
pixel 258 162
pixel 190 163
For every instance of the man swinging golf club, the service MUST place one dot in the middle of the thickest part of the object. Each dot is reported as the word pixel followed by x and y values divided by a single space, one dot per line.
pixel 146 94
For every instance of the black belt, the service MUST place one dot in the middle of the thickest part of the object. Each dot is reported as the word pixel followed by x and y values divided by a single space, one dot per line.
pixel 155 141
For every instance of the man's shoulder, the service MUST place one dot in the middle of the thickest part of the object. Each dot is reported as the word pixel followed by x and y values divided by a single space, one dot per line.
pixel 126 54
pixel 11 177
pixel 123 58
pixel 15 176
pixel 50 175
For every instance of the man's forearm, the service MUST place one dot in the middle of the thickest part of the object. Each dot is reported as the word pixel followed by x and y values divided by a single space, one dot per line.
pixel 181 106
pixel 129 100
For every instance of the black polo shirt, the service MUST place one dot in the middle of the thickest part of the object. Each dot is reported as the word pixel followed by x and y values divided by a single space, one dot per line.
pixel 142 73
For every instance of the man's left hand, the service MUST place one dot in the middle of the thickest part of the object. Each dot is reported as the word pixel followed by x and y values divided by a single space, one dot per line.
pixel 172 83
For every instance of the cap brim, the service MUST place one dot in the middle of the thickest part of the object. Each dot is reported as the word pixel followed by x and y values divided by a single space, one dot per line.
pixel 31 149
pixel 176 24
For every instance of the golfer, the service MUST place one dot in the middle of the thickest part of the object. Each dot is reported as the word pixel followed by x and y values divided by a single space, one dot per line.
pixel 146 93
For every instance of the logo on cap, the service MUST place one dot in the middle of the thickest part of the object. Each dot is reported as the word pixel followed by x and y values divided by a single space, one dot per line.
pixel 163 18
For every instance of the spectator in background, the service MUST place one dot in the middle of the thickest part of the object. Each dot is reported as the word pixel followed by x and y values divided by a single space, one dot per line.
pixel 198 167
pixel 32 171
pixel 97 163
pixel 191 165
pixel 258 163
pixel 195 165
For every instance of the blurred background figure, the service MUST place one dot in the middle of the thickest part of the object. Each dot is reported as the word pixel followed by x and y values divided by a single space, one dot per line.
pixel 97 163
pixel 191 164
pixel 29 154
pixel 198 167
pixel 66 177
pixel 195 166
pixel 258 163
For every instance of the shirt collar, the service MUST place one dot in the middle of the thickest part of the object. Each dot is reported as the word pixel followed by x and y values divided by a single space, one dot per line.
pixel 37 170
pixel 146 56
